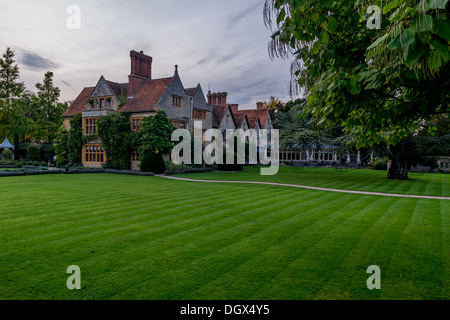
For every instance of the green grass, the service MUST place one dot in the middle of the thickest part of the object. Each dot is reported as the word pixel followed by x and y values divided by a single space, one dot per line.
pixel 353 179
pixel 155 238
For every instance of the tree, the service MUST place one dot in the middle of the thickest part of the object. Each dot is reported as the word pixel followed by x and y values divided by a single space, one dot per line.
pixel 75 139
pixel 47 109
pixel 12 121
pixel 156 133
pixel 378 84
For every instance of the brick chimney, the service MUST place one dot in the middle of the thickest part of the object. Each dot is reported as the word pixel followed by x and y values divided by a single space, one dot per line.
pixel 141 70
pixel 219 98
pixel 259 105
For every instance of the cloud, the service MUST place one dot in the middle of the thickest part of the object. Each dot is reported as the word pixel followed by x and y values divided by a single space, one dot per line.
pixel 35 61
pixel 237 18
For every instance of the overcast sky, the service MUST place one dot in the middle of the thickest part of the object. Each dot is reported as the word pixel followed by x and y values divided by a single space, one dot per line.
pixel 217 43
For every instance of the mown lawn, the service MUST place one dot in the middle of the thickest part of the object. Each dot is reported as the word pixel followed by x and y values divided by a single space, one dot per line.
pixel 352 179
pixel 152 238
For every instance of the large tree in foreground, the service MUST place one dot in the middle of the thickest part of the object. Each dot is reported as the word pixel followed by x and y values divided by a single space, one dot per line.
pixel 378 84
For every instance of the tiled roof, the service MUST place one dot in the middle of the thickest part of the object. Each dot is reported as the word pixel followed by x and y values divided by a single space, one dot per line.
pixel 145 99
pixel 218 114
pixel 79 102
pixel 239 118
pixel 252 121
pixel 262 114
pixel 118 87
pixel 147 96
pixel 191 91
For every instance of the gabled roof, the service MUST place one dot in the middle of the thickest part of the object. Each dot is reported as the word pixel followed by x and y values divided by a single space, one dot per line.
pixel 240 118
pixel 191 91
pixel 219 112
pixel 147 96
pixel 79 102
pixel 252 121
pixel 145 99
pixel 261 114
pixel 117 88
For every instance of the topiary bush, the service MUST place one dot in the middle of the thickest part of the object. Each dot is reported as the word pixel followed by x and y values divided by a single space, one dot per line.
pixel 34 152
pixel 7 154
pixel 380 164
pixel 153 162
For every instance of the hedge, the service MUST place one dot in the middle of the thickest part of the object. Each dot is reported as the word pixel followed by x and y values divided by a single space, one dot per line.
pixel 22 172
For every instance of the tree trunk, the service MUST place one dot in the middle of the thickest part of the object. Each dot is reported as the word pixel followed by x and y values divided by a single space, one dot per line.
pixel 397 166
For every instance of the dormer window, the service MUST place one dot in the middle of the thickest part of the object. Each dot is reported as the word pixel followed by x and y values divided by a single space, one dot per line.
pixel 176 101
pixel 101 103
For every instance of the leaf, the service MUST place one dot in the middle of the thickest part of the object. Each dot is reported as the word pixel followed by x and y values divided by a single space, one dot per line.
pixel 281 16
pixel 440 46
pixel 420 24
pixel 316 47
pixel 402 40
pixel 323 36
pixel 326 3
pixel 332 25
pixel 391 5
pixel 437 4
pixel 378 41
pixel 413 53
pixel 442 29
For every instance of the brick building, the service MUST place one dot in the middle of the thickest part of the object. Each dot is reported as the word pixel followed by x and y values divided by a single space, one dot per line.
pixel 144 96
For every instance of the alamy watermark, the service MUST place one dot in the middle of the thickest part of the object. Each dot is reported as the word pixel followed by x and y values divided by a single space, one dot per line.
pixel 74 281
pixel 73 22
pixel 260 151
pixel 374 281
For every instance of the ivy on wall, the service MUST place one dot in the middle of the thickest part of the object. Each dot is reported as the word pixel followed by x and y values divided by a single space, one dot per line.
pixel 117 138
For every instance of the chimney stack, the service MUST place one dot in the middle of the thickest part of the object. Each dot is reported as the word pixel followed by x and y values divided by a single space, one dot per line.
pixel 259 105
pixel 219 98
pixel 141 70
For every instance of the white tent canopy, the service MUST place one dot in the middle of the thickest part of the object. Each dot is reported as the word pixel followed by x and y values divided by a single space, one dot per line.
pixel 6 144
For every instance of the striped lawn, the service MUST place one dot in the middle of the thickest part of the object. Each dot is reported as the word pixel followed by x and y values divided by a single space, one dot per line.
pixel 154 238
pixel 353 179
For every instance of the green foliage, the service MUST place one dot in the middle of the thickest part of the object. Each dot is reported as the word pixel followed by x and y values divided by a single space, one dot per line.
pixel 378 84
pixel 47 151
pixel 34 152
pixel 123 98
pixel 61 150
pixel 153 162
pixel 117 138
pixel 156 132
pixel 7 154
pixel 12 120
pixel 170 166
pixel 380 164
pixel 75 140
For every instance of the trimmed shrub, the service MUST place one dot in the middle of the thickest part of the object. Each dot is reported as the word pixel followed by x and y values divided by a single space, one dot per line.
pixel 153 162
pixel 47 152
pixel 34 152
pixel 7 154
pixel 24 149
pixel 380 164
pixel 172 167
pixel 35 163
